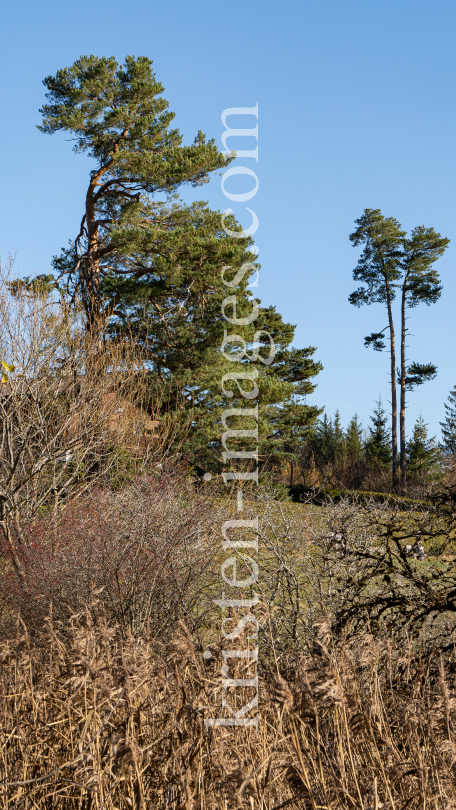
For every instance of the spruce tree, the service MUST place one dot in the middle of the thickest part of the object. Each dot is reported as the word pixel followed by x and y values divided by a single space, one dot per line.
pixel 378 444
pixel 422 453
pixel 283 388
pixel 284 418
pixel 449 425
pixel 339 438
pixel 324 441
pixel 354 437
pixel 353 452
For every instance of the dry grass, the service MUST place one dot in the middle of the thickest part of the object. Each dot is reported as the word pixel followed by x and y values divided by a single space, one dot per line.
pixel 102 714
pixel 97 721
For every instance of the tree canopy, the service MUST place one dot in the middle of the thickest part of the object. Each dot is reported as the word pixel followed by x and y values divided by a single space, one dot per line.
pixel 392 263
pixel 152 268
pixel 118 116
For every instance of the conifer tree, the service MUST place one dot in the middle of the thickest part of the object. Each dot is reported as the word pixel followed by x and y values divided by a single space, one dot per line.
pixel 324 440
pixel 378 444
pixel 118 116
pixel 354 437
pixel 422 453
pixel 420 283
pixel 327 440
pixel 288 420
pixel 339 437
pixel 391 263
pixel 379 270
pixel 284 418
pixel 149 266
pixel 449 425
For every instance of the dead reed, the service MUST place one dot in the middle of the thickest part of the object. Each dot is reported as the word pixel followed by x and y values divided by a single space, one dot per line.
pixel 99 719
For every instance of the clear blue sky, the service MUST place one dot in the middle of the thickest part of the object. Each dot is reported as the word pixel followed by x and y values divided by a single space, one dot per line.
pixel 356 110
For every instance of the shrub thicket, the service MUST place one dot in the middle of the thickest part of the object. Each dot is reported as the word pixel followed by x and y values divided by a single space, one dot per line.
pixel 137 552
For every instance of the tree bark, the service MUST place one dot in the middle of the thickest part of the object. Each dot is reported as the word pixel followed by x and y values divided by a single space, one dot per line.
pixel 93 302
pixel 393 390
pixel 403 376
pixel 92 296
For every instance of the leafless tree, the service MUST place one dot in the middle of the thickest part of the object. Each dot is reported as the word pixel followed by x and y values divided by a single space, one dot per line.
pixel 59 411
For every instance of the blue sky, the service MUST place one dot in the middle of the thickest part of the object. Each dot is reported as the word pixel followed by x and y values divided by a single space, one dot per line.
pixel 356 110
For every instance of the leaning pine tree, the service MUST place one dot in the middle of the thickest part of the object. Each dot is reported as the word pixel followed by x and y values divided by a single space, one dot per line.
pixel 167 274
pixel 117 115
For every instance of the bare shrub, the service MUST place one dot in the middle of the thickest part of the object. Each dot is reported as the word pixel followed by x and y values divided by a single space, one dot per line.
pixel 372 578
pixel 290 570
pixel 354 562
pixel 69 416
pixel 137 553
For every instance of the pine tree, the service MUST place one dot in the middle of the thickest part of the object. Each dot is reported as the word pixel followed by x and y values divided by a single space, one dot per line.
pixel 148 266
pixel 378 445
pixel 173 309
pixel 449 425
pixel 391 263
pixel 117 114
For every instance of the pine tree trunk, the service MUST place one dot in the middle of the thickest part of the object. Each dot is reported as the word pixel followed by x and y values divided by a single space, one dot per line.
pixel 393 392
pixel 402 413
pixel 92 298
pixel 91 276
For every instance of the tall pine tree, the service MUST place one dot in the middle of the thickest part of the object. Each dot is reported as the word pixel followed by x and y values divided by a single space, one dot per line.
pixel 391 263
